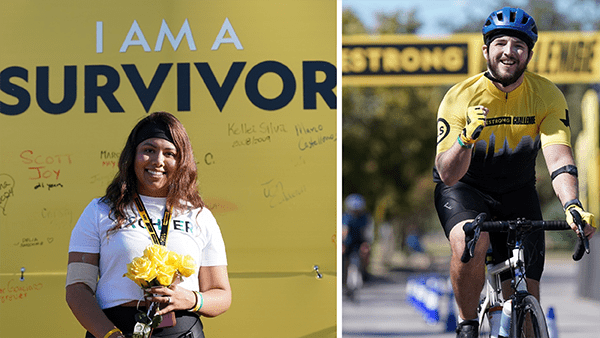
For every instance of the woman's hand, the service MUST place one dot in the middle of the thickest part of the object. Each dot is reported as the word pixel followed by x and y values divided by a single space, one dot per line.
pixel 215 292
pixel 171 298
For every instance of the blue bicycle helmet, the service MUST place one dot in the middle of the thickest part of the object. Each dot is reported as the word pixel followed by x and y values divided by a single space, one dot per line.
pixel 355 202
pixel 510 21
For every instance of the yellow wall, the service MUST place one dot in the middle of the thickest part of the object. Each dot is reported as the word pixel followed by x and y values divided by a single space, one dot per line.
pixel 266 154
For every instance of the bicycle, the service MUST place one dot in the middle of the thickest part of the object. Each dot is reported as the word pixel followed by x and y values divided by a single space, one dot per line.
pixel 354 279
pixel 526 312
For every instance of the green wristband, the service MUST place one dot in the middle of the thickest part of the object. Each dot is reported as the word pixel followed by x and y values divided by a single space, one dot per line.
pixel 466 146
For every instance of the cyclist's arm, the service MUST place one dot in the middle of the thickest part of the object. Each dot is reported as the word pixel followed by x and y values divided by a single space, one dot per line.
pixel 453 163
pixel 565 185
pixel 452 160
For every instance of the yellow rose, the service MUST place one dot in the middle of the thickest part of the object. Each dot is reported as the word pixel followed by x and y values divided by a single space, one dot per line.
pixel 159 265
pixel 165 274
pixel 141 271
pixel 156 253
pixel 187 266
pixel 173 258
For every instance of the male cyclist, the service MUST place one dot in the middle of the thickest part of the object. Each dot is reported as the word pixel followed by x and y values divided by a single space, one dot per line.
pixel 490 129
pixel 357 233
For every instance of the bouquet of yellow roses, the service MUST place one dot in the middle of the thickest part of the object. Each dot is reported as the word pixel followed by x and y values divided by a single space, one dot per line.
pixel 157 267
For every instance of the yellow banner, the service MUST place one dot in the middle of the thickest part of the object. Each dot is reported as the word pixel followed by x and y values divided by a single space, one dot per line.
pixel 253 82
pixel 567 57
pixel 407 60
pixel 399 60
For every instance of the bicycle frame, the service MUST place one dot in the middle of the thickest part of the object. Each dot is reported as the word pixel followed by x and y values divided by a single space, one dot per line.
pixel 493 287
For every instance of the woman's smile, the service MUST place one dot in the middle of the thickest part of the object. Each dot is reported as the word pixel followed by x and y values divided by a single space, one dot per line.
pixel 155 159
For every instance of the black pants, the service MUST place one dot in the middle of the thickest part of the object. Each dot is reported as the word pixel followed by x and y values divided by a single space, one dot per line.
pixel 188 324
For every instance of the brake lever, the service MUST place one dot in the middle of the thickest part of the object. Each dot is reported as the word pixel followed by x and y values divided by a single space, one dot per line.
pixel 471 244
pixel 583 244
pixel 472 231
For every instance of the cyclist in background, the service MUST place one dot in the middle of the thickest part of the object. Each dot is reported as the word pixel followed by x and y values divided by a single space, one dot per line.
pixel 357 232
pixel 490 129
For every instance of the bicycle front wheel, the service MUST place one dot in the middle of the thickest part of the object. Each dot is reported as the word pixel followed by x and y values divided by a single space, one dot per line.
pixel 484 325
pixel 530 319
pixel 354 279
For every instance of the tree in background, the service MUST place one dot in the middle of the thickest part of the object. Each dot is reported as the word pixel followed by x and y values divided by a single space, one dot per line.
pixel 389 138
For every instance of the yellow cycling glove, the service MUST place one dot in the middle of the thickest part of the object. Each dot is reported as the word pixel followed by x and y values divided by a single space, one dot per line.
pixel 475 123
pixel 587 217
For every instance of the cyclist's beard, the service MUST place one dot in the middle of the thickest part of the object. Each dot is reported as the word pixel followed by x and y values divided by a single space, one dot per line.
pixel 507 79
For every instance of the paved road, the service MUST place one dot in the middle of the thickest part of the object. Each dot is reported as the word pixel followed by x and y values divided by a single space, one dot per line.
pixel 382 309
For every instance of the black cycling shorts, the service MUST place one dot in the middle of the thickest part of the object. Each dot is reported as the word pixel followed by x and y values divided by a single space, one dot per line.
pixel 462 202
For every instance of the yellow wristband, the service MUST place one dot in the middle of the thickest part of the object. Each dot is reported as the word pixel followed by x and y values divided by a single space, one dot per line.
pixel 111 332
pixel 200 301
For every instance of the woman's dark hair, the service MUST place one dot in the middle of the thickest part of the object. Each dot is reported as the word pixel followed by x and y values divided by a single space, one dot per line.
pixel 182 191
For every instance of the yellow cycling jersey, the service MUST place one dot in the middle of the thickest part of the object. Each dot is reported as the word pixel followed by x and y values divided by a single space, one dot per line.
pixel 518 125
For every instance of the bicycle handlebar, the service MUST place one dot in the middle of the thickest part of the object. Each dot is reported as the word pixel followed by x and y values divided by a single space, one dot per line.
pixel 473 229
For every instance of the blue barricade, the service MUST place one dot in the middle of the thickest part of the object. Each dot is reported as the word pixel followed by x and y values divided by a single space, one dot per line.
pixel 432 297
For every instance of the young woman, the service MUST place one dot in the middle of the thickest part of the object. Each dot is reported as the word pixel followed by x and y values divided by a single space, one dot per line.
pixel 157 164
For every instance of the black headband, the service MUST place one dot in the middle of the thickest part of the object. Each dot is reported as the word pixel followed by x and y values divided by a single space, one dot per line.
pixel 491 36
pixel 153 130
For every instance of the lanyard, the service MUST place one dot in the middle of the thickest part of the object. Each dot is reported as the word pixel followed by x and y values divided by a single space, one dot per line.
pixel 164 231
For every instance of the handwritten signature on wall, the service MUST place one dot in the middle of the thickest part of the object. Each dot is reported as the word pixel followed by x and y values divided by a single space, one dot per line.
pixel 29 242
pixel 7 190
pixel 277 194
pixel 45 166
pixel 15 290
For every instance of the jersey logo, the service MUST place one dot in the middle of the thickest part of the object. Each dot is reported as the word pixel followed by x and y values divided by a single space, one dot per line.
pixel 516 120
pixel 566 120
pixel 497 121
pixel 443 128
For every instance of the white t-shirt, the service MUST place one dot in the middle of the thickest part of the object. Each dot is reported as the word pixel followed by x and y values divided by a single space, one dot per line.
pixel 198 236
